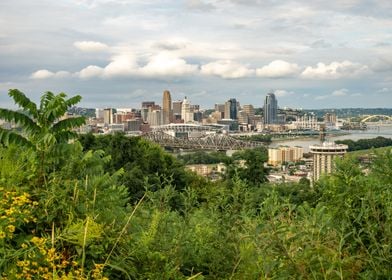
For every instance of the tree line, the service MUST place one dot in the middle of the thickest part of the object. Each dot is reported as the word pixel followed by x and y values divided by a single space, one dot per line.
pixel 364 144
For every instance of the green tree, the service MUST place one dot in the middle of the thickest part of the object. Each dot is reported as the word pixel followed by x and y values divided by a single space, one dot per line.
pixel 42 128
pixel 253 170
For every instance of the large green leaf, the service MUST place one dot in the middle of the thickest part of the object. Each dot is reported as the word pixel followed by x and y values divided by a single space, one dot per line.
pixel 68 124
pixel 21 119
pixel 8 137
pixel 24 102
pixel 73 100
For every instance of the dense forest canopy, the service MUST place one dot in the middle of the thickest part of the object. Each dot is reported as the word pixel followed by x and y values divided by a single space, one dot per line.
pixel 113 207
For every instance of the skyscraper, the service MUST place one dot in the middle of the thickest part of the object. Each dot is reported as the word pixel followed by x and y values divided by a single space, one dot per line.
pixel 270 109
pixel 231 109
pixel 186 113
pixel 167 107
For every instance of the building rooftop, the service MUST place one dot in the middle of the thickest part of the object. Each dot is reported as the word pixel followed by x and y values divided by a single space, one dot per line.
pixel 328 146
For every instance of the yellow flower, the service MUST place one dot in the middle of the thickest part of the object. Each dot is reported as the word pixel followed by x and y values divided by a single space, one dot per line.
pixel 2 234
pixel 38 241
pixel 11 228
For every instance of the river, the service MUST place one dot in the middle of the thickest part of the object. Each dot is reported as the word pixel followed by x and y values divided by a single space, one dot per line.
pixel 371 132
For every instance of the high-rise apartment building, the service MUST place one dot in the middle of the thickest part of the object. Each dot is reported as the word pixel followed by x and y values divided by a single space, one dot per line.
pixel 108 116
pixel 167 107
pixel 231 109
pixel 284 154
pixel 270 109
pixel 324 156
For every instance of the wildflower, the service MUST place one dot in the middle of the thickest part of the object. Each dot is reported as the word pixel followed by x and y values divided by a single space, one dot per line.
pixel 11 228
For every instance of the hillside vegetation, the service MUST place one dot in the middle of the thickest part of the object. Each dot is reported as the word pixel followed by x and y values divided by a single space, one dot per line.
pixel 114 207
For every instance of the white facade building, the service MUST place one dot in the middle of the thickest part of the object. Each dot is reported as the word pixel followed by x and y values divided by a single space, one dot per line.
pixel 324 156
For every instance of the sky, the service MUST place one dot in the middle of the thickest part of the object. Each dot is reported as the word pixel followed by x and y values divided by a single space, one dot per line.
pixel 117 53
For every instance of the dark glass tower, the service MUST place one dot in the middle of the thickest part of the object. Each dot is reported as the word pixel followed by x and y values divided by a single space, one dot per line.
pixel 270 109
pixel 231 109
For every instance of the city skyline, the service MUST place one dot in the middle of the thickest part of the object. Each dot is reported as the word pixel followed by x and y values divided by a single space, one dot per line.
pixel 116 52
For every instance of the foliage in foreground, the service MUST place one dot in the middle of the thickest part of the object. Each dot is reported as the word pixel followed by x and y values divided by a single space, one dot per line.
pixel 82 223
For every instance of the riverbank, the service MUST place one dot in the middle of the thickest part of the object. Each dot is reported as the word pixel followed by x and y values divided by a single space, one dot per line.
pixel 354 135
pixel 308 137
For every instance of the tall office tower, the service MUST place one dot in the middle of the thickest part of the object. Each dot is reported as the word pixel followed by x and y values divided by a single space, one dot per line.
pixel 243 117
pixel 219 111
pixel 195 108
pixel 249 110
pixel 186 113
pixel 108 116
pixel 231 109
pixel 148 104
pixel 323 157
pixel 270 109
pixel 167 107
pixel 99 113
pixel 177 107
pixel 154 117
pixel 219 107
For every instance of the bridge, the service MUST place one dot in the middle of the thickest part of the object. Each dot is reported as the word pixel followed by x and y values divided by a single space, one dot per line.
pixel 378 117
pixel 219 142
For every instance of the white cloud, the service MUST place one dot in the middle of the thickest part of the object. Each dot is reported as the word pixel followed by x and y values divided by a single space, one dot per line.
pixel 167 64
pixel 125 65
pixel 283 93
pixel 337 94
pixel 45 74
pixel 340 92
pixel 90 46
pixel 42 74
pixel 90 72
pixel 226 69
pixel 199 5
pixel 121 65
pixel 335 70
pixel 278 69
pixel 136 21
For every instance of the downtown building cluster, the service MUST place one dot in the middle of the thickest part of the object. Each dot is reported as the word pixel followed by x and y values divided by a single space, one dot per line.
pixel 230 114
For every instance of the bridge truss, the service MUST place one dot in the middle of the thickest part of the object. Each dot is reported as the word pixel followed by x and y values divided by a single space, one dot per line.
pixel 369 117
pixel 219 142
